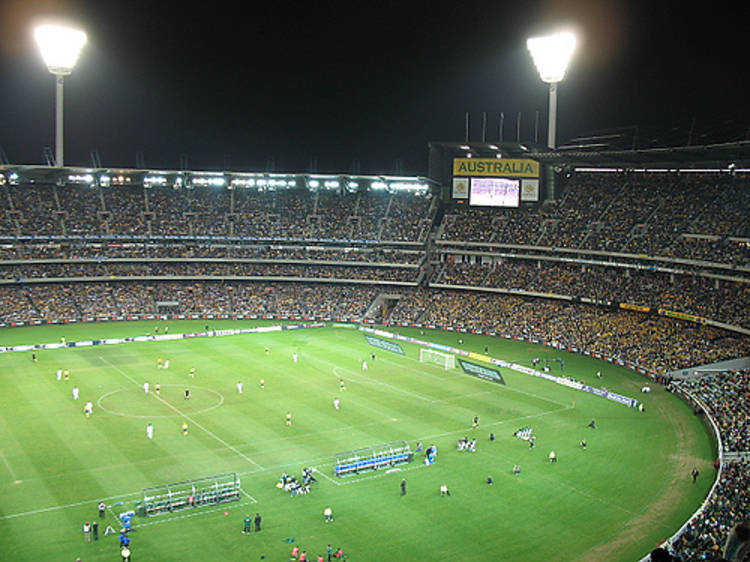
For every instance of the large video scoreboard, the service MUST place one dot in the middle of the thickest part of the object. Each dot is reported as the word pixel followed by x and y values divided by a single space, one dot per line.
pixel 495 182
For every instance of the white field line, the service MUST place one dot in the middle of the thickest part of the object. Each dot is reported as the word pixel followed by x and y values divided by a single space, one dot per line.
pixel 133 495
pixel 324 475
pixel 462 396
pixel 66 506
pixel 191 420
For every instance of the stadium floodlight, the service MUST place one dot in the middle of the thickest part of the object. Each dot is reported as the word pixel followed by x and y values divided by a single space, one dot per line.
pixel 552 55
pixel 60 47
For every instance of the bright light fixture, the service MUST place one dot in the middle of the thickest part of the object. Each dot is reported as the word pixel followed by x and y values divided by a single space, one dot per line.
pixel 60 47
pixel 552 54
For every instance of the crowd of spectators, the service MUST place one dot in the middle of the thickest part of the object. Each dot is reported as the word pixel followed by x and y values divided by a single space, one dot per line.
pixel 656 343
pixel 691 216
pixel 720 300
pixel 203 269
pixel 73 210
pixel 726 394
pixel 55 302
pixel 98 251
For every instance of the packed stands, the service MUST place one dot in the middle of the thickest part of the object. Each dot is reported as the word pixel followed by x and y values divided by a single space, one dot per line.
pixel 726 394
pixel 656 214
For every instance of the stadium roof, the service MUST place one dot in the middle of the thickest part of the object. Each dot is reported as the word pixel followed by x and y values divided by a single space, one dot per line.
pixel 720 155
pixel 105 177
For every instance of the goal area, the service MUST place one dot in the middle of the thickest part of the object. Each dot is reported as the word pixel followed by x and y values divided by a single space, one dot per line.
pixel 445 360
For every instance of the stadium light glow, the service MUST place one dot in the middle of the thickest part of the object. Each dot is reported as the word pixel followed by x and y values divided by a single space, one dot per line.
pixel 150 181
pixel 552 54
pixel 240 182
pixel 215 181
pixel 81 178
pixel 60 47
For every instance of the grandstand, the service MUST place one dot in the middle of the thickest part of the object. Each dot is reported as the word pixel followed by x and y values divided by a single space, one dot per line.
pixel 648 268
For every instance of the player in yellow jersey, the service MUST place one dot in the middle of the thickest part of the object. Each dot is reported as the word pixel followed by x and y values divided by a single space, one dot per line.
pixel 289 418
pixel 192 372
pixel 185 429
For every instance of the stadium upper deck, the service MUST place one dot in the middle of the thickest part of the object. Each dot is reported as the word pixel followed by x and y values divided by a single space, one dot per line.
pixel 695 216
pixel 673 242
pixel 136 203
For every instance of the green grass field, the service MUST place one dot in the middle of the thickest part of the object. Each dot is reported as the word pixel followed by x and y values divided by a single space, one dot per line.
pixel 613 501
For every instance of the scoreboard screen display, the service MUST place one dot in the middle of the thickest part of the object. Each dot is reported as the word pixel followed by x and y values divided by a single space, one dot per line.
pixel 494 192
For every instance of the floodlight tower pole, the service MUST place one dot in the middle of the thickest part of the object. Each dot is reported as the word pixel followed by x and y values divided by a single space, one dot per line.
pixel 59 137
pixel 552 127
pixel 60 47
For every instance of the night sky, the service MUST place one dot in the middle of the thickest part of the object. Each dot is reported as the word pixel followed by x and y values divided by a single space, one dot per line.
pixel 277 85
